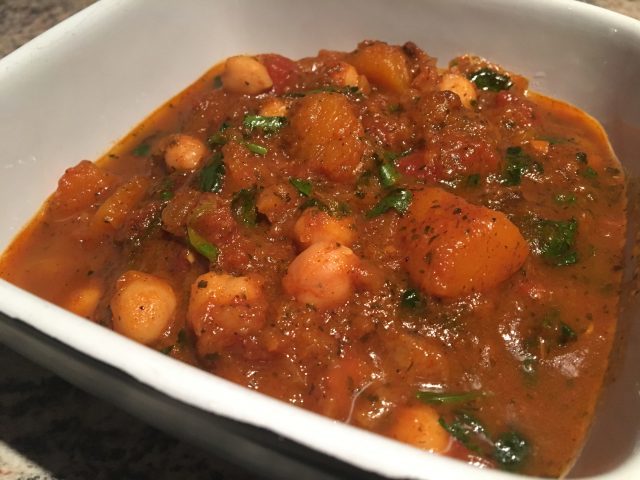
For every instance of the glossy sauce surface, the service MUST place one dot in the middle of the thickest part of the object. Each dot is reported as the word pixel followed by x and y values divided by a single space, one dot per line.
pixel 431 254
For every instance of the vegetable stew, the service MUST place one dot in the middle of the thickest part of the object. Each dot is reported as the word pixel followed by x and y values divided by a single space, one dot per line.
pixel 433 254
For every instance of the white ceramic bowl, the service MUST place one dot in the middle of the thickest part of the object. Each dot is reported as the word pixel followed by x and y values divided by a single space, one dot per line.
pixel 74 91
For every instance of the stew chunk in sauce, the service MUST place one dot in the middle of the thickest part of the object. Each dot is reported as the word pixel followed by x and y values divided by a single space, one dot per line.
pixel 431 254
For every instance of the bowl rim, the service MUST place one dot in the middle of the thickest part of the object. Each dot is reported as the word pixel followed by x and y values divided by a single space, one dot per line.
pixel 112 349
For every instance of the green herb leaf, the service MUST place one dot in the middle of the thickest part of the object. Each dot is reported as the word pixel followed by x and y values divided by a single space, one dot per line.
pixel 202 246
pixel 443 397
pixel 217 82
pixel 243 206
pixel 473 180
pixel 518 164
pixel 490 80
pixel 142 150
pixel 349 90
pixel 567 334
pixel 266 124
pixel 581 157
pixel 511 450
pixel 466 429
pixel 166 195
pixel 211 177
pixel 529 366
pixel 588 172
pixel 166 190
pixel 389 175
pixel 398 199
pixel 390 156
pixel 218 138
pixel 333 208
pixel 303 186
pixel 255 148
pixel 555 140
pixel 411 298
pixel 555 241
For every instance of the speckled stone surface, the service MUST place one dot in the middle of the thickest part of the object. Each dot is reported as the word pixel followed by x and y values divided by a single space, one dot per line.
pixel 50 429
pixel 22 20
pixel 628 7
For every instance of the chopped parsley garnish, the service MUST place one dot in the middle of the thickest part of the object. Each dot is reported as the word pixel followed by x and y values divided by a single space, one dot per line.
pixel 545 336
pixel 211 177
pixel 588 172
pixel 567 334
pixel 166 195
pixel 555 140
pixel 510 450
pixel 333 208
pixel 444 397
pixel 555 240
pixel 142 150
pixel 490 80
pixel 243 206
pixel 466 429
pixel 348 90
pixel 473 180
pixel 398 199
pixel 411 298
pixel 266 124
pixel 304 187
pixel 218 138
pixel 389 175
pixel 255 148
pixel 166 190
pixel 390 156
pixel 217 82
pixel 518 164
pixel 581 157
pixel 202 246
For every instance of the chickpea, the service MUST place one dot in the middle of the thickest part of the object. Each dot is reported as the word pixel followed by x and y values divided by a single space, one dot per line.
pixel 418 425
pixel 143 306
pixel 244 74
pixel 184 152
pixel 460 86
pixel 277 202
pixel 314 226
pixel 322 275
pixel 84 301
pixel 223 309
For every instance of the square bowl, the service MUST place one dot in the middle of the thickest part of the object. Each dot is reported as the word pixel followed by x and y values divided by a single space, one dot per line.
pixel 74 91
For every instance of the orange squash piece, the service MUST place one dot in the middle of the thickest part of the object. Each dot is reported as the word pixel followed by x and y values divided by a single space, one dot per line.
pixel 327 136
pixel 383 65
pixel 456 248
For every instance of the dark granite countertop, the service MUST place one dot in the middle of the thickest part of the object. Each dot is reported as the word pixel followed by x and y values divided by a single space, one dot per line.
pixel 50 429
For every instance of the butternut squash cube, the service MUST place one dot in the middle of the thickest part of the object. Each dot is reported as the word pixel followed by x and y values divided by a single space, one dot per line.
pixel 384 66
pixel 455 248
pixel 326 136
